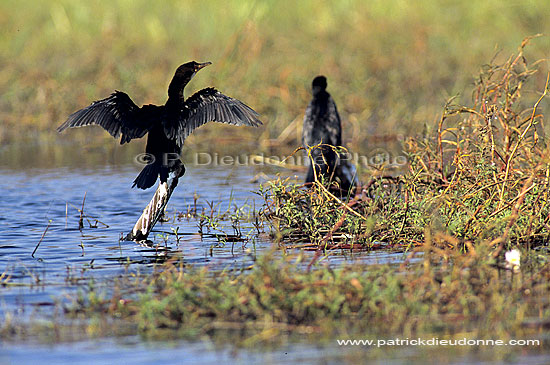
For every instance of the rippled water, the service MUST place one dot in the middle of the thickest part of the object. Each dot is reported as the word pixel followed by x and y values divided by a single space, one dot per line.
pixel 45 202
pixel 33 201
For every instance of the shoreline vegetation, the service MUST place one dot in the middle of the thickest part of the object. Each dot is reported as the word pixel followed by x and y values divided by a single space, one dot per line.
pixel 481 179
pixel 447 294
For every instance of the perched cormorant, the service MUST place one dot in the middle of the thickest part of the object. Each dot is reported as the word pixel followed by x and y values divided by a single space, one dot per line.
pixel 168 125
pixel 322 125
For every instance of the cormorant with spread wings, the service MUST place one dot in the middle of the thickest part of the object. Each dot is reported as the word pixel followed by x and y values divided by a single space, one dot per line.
pixel 168 125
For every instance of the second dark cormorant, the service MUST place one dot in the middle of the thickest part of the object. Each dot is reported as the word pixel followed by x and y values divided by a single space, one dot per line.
pixel 322 125
pixel 168 125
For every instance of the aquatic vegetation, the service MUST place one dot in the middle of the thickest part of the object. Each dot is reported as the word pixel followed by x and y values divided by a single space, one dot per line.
pixel 448 295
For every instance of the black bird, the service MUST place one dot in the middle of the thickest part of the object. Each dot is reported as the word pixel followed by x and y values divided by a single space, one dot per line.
pixel 168 125
pixel 322 125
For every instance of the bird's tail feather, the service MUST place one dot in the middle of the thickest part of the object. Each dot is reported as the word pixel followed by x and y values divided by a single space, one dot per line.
pixel 148 176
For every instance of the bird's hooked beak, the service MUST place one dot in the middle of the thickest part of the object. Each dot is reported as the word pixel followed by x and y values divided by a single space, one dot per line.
pixel 201 65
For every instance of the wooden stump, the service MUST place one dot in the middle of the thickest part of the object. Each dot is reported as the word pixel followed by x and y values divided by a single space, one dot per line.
pixel 155 209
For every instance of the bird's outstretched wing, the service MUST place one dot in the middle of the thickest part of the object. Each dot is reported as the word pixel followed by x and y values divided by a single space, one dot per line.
pixel 209 105
pixel 117 114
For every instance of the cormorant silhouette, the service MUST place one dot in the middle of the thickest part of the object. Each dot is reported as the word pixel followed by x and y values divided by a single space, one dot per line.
pixel 322 126
pixel 167 125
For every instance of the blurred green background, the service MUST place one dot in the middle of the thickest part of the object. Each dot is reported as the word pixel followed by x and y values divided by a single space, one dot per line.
pixel 390 64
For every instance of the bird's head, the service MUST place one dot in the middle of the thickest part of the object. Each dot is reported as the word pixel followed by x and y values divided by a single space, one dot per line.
pixel 183 75
pixel 319 84
pixel 189 69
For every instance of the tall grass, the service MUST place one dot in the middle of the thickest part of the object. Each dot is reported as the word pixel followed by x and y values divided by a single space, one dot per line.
pixel 390 64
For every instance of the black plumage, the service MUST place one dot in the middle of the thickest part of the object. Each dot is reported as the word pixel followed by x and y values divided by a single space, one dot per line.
pixel 167 125
pixel 322 125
